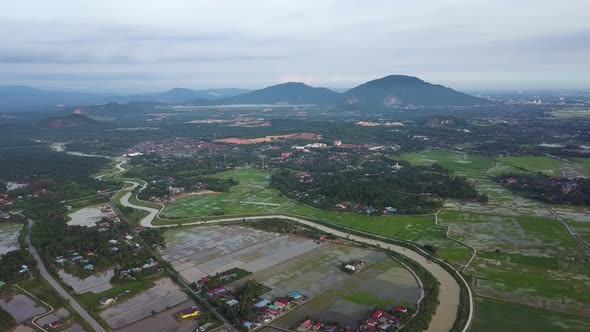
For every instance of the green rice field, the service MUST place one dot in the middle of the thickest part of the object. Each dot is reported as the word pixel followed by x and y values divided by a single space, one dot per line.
pixel 253 196
pixel 468 165
pixel 493 316
pixel 544 165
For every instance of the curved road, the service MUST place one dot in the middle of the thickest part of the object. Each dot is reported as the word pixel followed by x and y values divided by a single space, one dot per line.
pixel 446 313
pixel 85 315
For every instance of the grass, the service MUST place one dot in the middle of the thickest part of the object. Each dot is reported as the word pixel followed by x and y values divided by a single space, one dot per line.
pixel 544 165
pixel 43 291
pixel 493 316
pixel 92 300
pixel 461 163
pixel 367 298
pixel 500 168
pixel 252 196
pixel 584 164
pixel 537 257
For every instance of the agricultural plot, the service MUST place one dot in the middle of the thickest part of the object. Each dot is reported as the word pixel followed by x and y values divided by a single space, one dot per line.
pixel 544 165
pixel 468 165
pixel 500 168
pixel 21 307
pixel 162 296
pixel 495 316
pixel 501 202
pixel 583 165
pixel 201 251
pixel 252 196
pixel 383 284
pixel 525 256
pixel 9 232
pixel 165 321
pixel 287 263
pixel 577 217
pixel 96 283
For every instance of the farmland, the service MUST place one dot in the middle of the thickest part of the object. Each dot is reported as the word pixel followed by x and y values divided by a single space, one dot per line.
pixel 544 165
pixel 495 316
pixel 468 165
pixel 285 263
pixel 252 196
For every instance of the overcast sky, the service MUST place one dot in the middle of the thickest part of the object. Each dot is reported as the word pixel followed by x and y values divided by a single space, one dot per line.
pixel 131 46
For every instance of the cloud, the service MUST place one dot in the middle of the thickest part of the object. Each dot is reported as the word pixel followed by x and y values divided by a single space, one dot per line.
pixel 339 43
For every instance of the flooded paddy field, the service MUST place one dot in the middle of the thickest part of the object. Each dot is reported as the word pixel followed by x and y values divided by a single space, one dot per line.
pixel 96 283
pixel 165 321
pixel 385 283
pixel 163 295
pixel 286 263
pixel 201 251
pixel 523 255
pixel 21 307
pixel 54 316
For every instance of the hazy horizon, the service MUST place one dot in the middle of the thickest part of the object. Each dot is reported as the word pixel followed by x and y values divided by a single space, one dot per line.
pixel 132 47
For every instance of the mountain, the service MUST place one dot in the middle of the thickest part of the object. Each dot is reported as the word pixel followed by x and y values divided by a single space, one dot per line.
pixel 67 121
pixel 179 95
pixel 18 98
pixel 389 91
pixel 291 93
pixel 23 98
pixel 400 90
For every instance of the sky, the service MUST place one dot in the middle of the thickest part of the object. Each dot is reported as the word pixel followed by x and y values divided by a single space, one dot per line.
pixel 140 46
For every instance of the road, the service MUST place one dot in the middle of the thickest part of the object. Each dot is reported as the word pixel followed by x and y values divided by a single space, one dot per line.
pixel 445 315
pixel 180 278
pixel 568 228
pixel 60 290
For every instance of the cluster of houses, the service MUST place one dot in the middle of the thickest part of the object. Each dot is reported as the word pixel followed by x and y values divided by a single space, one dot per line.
pixel 309 325
pixel 379 320
pixel 105 224
pixel 4 201
pixel 383 320
pixel 173 147
pixel 269 310
pixel 77 258
pixel 363 208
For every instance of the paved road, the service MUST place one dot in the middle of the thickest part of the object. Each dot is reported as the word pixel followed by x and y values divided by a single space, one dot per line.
pixel 45 275
pixel 445 315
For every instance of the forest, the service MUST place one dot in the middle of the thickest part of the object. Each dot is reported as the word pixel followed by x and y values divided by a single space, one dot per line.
pixel 55 238
pixel 552 190
pixel 40 162
pixel 378 187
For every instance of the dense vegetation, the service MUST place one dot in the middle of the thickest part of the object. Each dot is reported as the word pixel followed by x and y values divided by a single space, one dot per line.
pixel 54 238
pixel 246 294
pixel 7 322
pixel 376 187
pixel 12 262
pixel 40 162
pixel 553 190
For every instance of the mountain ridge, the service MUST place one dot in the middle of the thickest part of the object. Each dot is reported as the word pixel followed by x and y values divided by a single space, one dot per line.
pixel 387 91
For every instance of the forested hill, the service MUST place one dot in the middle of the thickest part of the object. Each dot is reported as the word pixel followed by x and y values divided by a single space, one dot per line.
pixel 389 91
pixel 407 90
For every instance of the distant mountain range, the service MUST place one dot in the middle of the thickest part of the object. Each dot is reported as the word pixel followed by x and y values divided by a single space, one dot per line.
pixel 389 91
pixel 18 98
